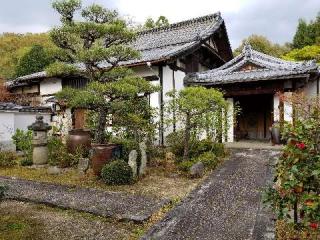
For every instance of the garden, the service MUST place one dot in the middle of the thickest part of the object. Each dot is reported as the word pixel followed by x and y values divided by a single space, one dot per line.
pixel 295 193
pixel 117 151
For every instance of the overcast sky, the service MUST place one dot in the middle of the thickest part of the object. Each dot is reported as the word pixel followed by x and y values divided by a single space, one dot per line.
pixel 275 19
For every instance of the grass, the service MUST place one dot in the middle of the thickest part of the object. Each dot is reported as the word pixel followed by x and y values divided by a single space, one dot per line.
pixel 158 181
pixel 14 227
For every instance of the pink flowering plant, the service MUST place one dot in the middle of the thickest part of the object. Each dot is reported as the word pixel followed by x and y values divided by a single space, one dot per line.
pixel 295 193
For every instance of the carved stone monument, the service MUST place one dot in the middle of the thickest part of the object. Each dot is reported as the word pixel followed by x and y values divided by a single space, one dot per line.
pixel 144 158
pixel 40 141
pixel 133 162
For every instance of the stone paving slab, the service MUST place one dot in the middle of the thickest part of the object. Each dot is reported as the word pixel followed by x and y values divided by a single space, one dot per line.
pixel 121 206
pixel 226 206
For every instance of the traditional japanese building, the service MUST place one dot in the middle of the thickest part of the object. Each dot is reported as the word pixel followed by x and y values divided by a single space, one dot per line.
pixel 167 55
pixel 253 81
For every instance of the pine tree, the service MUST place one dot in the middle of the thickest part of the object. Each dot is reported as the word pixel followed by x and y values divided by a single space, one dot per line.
pixel 93 47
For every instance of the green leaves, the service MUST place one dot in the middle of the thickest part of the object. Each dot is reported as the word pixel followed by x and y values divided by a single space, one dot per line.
pixel 297 179
pixel 61 69
pixel 33 61
pixel 98 43
pixel 304 54
pixel 66 8
pixel 98 14
pixel 197 110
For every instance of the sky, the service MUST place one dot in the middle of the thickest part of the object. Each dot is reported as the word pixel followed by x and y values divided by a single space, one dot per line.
pixel 275 19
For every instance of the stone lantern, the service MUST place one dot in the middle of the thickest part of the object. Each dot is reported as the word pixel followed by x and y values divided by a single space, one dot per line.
pixel 40 141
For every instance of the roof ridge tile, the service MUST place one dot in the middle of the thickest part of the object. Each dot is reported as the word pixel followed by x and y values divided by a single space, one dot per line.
pixel 216 16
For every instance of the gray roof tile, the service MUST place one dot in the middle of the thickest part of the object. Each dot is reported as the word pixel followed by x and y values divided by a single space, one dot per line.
pixel 163 43
pixel 268 68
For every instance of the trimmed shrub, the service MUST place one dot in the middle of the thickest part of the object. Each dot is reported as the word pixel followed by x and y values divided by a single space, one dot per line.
pixel 197 147
pixel 185 166
pixel 117 172
pixel 59 156
pixel 209 159
pixel 8 159
pixel 206 145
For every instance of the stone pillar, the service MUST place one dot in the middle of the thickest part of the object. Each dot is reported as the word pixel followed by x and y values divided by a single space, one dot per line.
pixel 40 141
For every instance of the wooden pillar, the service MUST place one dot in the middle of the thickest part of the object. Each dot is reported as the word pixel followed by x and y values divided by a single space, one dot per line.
pixel 281 113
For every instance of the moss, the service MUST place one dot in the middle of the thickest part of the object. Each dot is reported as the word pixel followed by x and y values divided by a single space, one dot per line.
pixel 16 227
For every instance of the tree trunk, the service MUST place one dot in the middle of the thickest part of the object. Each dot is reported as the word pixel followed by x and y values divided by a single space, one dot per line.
pixel 187 138
pixel 102 126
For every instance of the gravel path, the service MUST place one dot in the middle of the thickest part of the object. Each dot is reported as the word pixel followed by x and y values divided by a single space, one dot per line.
pixel 121 206
pixel 226 206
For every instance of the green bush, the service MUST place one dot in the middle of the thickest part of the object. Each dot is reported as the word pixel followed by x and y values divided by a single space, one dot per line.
pixel 209 159
pixel 186 165
pixel 127 146
pixel 175 142
pixel 207 145
pixel 26 162
pixel 8 159
pixel 58 154
pixel 23 141
pixel 117 172
pixel 197 147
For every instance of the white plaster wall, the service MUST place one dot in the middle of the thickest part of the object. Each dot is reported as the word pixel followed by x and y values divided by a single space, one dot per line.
pixel 276 112
pixel 310 89
pixel 50 86
pixel 23 120
pixel 288 111
pixel 230 116
pixel 179 76
pixel 6 130
pixel 144 71
pixel 11 121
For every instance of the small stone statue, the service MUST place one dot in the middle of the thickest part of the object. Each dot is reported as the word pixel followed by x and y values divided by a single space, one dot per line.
pixel 40 141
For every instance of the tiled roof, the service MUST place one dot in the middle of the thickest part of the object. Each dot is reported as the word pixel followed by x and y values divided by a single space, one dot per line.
pixel 18 108
pixel 268 68
pixel 163 43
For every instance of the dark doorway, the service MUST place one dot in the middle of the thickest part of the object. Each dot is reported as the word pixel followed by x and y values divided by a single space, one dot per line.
pixel 255 117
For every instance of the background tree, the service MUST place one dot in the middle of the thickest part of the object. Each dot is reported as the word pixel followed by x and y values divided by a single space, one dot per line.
pixel 302 36
pixel 307 33
pixel 14 46
pixel 304 54
pixel 93 47
pixel 162 21
pixel 193 107
pixel 35 60
pixel 262 44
